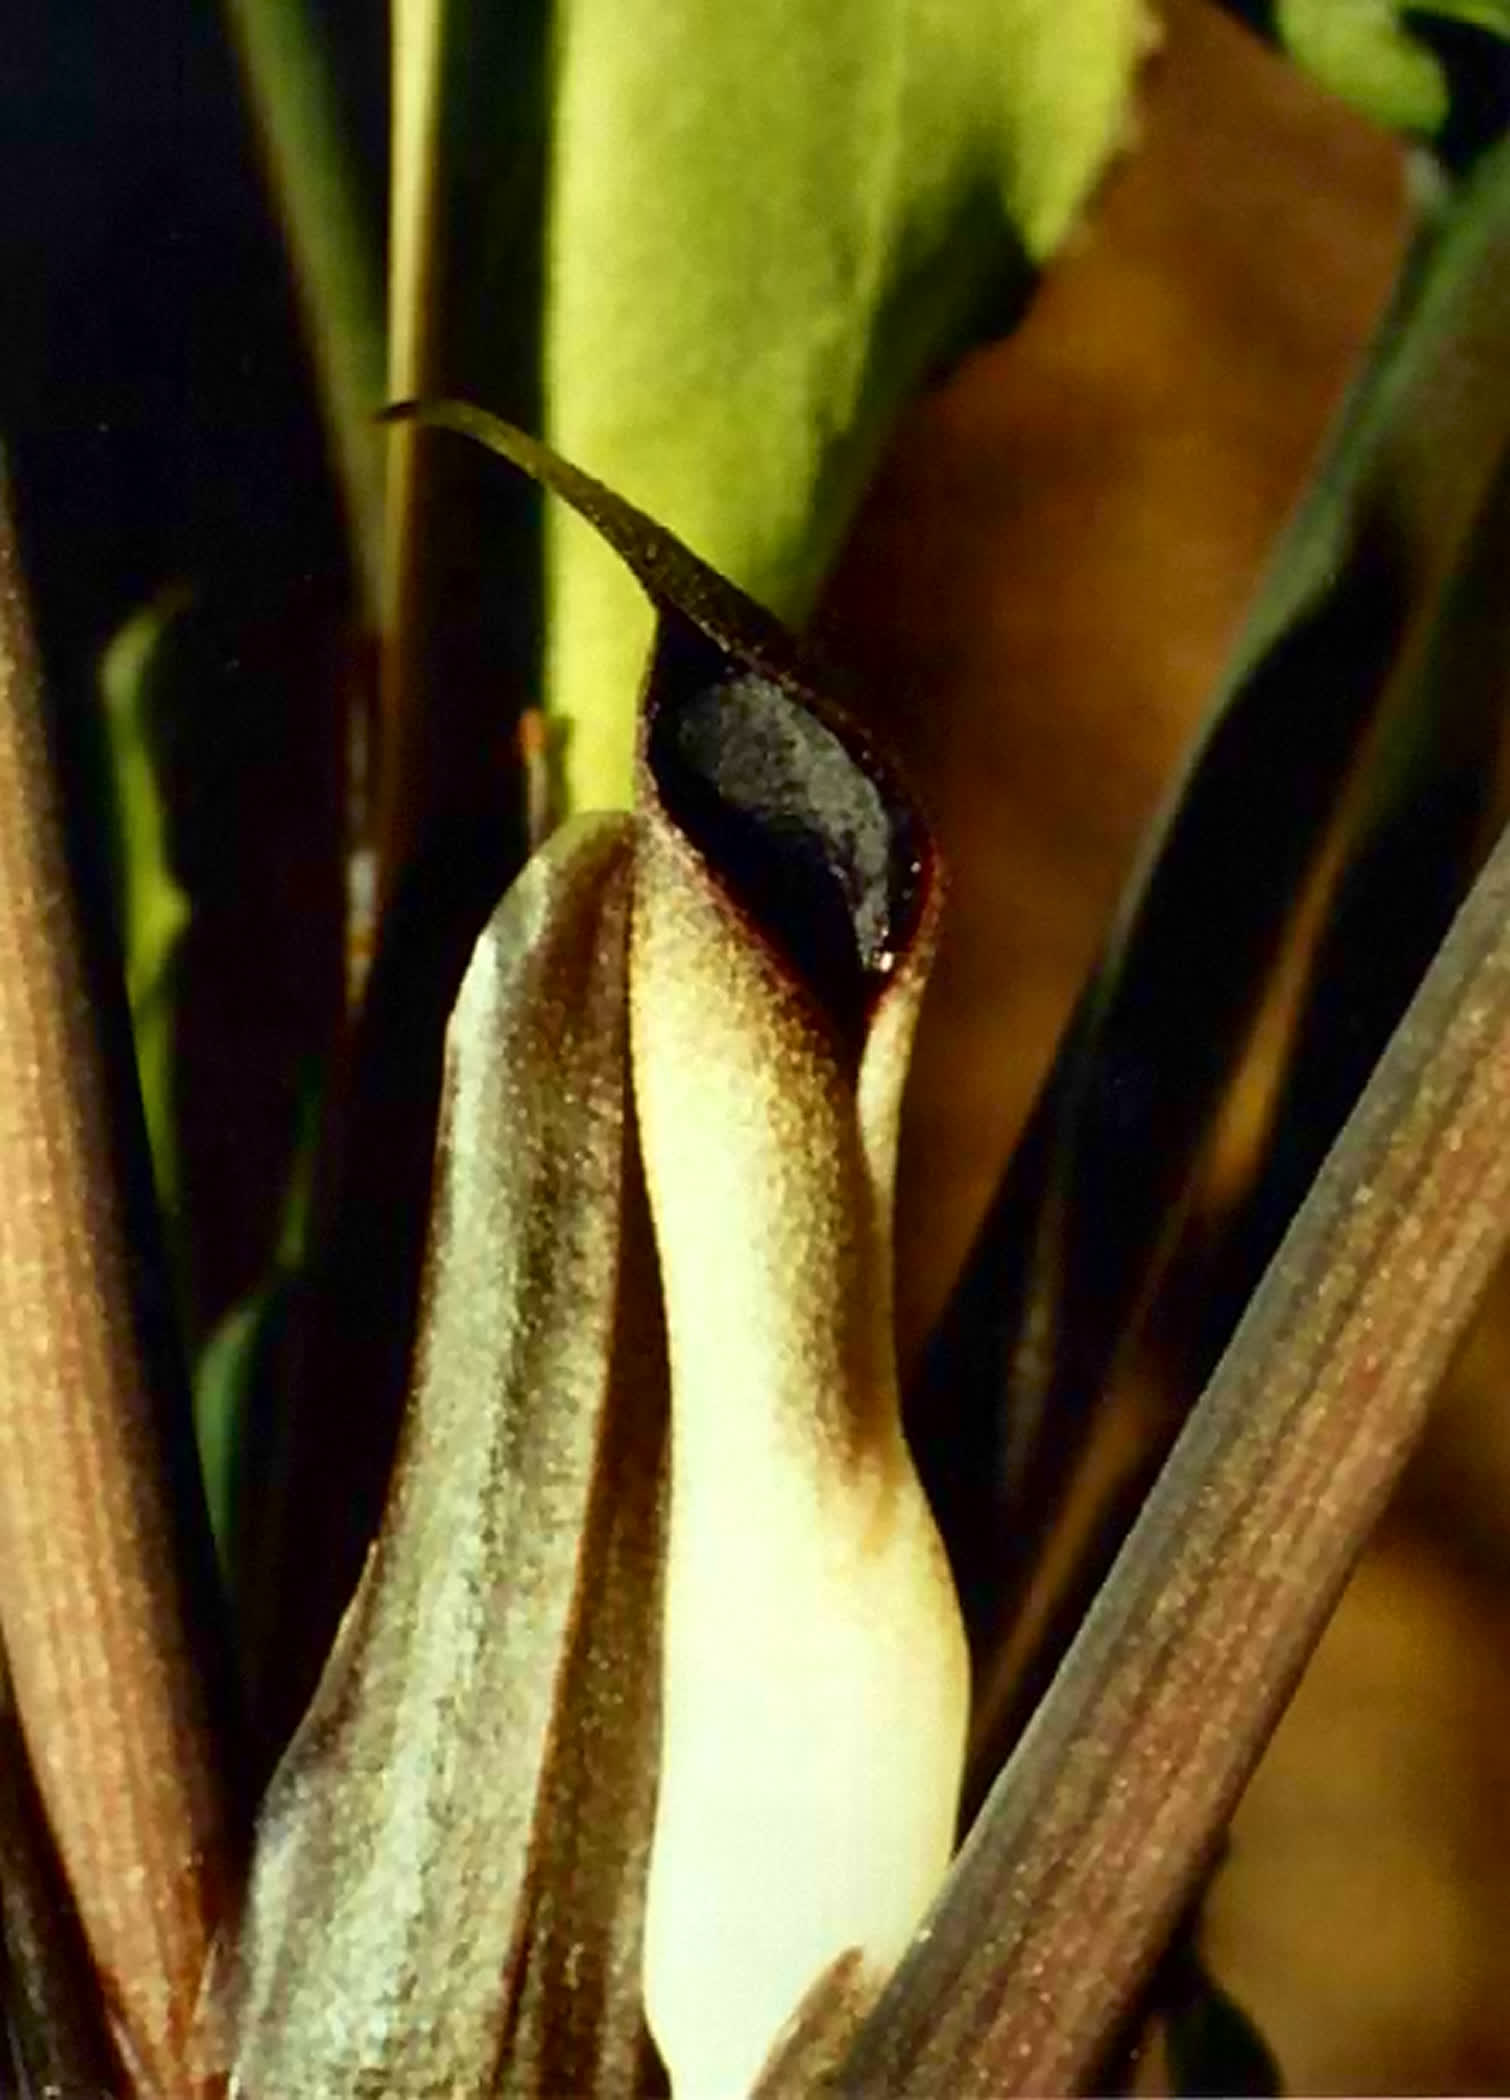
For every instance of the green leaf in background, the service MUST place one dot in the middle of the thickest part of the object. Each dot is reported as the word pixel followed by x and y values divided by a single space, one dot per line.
pixel 768 223
pixel 231 1368
pixel 1363 51
pixel 241 1366
pixel 291 63
pixel 1366 51
pixel 763 227
pixel 153 908
pixel 1490 15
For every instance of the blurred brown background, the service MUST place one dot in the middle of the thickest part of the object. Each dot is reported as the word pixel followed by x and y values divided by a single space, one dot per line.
pixel 1043 591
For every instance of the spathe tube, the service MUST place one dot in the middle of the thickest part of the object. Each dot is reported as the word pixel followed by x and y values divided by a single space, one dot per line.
pixel 427 1906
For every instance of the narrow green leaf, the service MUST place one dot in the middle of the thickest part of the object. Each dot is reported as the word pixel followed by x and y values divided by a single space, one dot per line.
pixel 207 703
pixel 292 69
pixel 243 1364
pixel 154 908
pixel 1420 424
pixel 238 1381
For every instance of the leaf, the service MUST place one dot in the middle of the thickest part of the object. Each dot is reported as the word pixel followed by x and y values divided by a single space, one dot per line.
pixel 225 758
pixel 240 1370
pixel 290 61
pixel 232 1372
pixel 746 280
pixel 1470 46
pixel 1362 50
pixel 1420 67
pixel 155 910
pixel 751 274
pixel 867 191
pixel 1492 16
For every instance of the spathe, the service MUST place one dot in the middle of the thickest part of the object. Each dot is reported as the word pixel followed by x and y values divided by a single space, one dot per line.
pixel 456 1858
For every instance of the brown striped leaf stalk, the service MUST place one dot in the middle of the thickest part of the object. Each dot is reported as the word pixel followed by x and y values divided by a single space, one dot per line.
pixel 109 1674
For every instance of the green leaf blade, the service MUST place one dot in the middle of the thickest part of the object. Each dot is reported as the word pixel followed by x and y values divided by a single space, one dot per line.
pixel 751 274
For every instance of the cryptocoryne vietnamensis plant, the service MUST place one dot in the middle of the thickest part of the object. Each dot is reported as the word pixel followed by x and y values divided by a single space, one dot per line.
pixel 636 1706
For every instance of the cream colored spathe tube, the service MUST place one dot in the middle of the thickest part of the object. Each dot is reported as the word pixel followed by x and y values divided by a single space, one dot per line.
pixel 815 1676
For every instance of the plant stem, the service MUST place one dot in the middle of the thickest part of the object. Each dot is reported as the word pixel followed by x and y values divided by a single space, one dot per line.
pixel 1096 1831
pixel 104 1610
